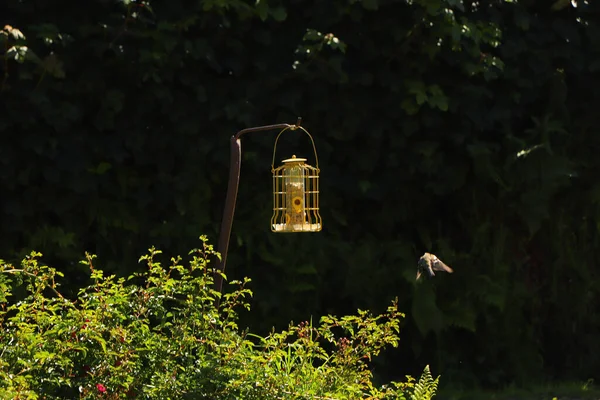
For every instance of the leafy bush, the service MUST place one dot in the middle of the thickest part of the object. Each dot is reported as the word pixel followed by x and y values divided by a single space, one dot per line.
pixel 159 334
pixel 465 128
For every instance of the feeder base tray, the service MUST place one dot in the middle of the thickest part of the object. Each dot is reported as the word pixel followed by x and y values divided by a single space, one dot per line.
pixel 296 227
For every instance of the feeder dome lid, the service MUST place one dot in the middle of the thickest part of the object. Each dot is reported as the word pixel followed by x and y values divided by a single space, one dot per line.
pixel 294 160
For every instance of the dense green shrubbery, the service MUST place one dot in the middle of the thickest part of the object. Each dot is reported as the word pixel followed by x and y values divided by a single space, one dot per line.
pixel 159 335
pixel 460 127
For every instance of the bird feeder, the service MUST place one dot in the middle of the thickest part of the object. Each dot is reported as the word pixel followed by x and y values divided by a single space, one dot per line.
pixel 295 193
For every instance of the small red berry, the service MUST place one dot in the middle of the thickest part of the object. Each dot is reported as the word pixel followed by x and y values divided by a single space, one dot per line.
pixel 100 388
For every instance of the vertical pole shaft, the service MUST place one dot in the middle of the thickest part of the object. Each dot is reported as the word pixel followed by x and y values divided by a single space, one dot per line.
pixel 227 222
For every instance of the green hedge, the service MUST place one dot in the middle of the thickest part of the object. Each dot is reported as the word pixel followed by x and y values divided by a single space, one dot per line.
pixel 457 127
pixel 159 335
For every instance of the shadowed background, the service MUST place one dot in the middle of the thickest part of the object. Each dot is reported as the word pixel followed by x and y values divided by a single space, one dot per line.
pixel 463 128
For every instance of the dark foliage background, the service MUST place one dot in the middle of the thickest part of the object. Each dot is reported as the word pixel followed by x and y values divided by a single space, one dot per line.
pixel 464 128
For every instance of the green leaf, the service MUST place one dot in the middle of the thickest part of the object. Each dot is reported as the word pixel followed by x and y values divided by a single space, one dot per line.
pixel 409 106
pixel 437 99
pixel 279 14
pixel 262 9
pixel 371 5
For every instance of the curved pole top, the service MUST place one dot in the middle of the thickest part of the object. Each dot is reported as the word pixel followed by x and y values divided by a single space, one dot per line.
pixel 267 128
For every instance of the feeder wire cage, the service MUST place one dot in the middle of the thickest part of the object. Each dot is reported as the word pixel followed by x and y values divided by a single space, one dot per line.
pixel 295 192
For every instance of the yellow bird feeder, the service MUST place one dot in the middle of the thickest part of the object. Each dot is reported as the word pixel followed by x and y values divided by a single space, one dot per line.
pixel 295 193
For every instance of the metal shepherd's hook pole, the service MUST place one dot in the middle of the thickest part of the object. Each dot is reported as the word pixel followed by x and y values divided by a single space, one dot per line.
pixel 232 190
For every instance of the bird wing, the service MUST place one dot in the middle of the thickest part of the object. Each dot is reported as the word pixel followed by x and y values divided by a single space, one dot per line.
pixel 438 265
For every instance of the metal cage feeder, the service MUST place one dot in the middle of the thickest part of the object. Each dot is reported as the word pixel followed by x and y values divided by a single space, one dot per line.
pixel 295 193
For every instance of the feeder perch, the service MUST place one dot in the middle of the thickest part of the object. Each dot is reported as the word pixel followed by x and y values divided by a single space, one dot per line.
pixel 295 193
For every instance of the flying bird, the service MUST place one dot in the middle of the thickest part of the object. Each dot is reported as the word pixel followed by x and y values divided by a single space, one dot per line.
pixel 429 263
